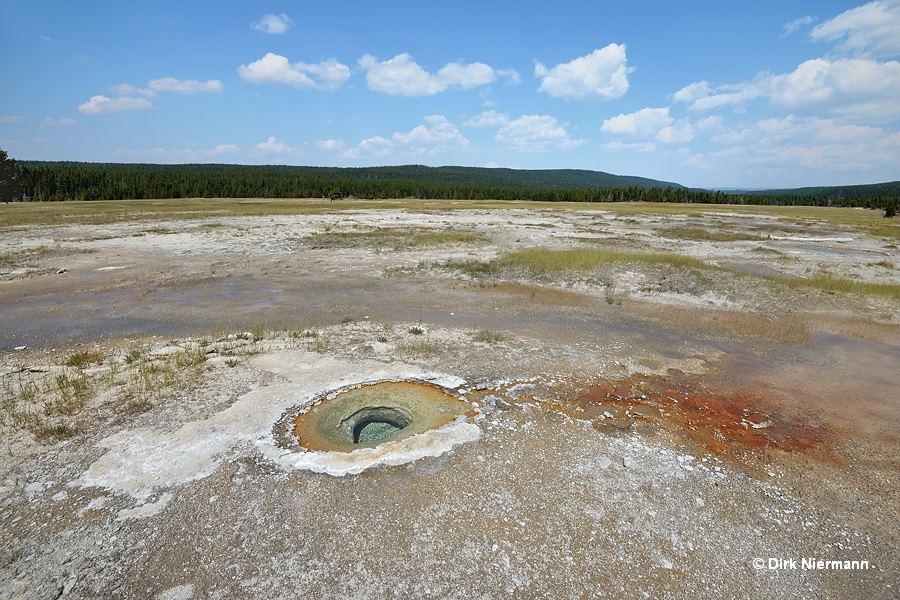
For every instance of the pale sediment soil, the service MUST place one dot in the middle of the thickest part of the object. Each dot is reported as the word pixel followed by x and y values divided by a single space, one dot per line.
pixel 646 429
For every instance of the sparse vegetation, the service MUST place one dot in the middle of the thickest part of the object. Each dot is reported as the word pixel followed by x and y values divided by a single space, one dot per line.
pixel 259 332
pixel 419 349
pixel 51 402
pixel 486 336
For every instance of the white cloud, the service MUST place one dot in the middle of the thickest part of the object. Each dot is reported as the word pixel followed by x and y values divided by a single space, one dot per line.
pixel 178 155
pixel 435 136
pixel 796 24
pixel 488 118
pixel 273 24
pixel 126 89
pixel 600 75
pixel 330 145
pixel 701 96
pixel 693 92
pixel 810 148
pixel 101 105
pixel 858 89
pixel 871 30
pixel 680 132
pixel 273 146
pixel 11 119
pixel 710 124
pixel 536 133
pixel 276 69
pixel 512 76
pixel 185 86
pixel 651 122
pixel 370 148
pixel 854 88
pixel 64 122
pixel 402 76
pixel 645 122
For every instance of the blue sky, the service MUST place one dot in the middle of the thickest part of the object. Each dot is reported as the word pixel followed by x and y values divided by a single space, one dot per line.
pixel 707 94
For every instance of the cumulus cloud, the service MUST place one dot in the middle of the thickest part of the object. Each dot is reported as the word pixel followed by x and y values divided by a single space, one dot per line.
pixel 101 105
pixel 273 24
pixel 402 76
pixel 855 88
pixel 130 97
pixel 536 133
pixel 871 30
pixel 276 69
pixel 185 86
pixel 273 146
pixel 488 118
pixel 435 136
pixel 370 148
pixel 600 75
pixel 645 122
pixel 651 122
pixel 330 145
pixel 852 87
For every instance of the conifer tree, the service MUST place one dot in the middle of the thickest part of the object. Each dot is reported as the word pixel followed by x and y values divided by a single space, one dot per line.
pixel 10 182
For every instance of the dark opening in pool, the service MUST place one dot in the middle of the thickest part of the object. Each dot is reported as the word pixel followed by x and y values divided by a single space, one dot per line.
pixel 375 423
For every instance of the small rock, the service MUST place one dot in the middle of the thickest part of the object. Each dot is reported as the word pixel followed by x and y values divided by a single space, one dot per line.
pixel 61 271
pixel 629 463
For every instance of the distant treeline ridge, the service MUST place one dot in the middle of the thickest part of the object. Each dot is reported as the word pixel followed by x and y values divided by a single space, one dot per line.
pixel 60 181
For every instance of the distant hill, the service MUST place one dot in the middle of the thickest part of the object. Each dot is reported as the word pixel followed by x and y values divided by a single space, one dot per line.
pixel 60 181
pixel 874 190
pixel 484 176
pixel 118 181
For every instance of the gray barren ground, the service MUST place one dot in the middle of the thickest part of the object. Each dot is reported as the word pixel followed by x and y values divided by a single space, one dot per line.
pixel 676 403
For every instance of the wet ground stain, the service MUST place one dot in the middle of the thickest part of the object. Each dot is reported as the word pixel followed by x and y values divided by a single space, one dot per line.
pixel 735 425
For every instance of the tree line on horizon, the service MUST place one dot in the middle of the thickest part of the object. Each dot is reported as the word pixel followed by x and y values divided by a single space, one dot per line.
pixel 62 181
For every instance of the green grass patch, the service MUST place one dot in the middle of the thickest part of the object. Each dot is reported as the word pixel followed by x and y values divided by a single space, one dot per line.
pixel 832 284
pixel 449 237
pixel 83 358
pixel 542 261
pixel 391 238
pixel 702 234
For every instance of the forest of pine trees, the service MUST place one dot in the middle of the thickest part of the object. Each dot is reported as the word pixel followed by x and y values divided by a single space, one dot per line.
pixel 61 181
